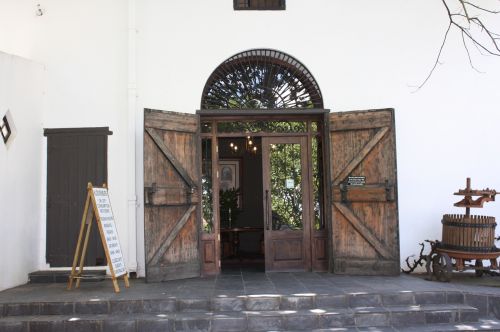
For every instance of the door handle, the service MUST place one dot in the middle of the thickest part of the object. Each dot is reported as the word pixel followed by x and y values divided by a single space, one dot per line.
pixel 267 210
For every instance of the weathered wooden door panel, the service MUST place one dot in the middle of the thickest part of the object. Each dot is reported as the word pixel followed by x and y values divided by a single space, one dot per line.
pixel 319 251
pixel 75 156
pixel 365 212
pixel 171 195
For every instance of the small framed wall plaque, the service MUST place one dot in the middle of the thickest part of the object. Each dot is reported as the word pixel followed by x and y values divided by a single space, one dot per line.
pixel 356 181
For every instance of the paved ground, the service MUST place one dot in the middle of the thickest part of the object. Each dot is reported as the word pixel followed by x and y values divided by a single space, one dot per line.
pixel 236 282
pixel 256 301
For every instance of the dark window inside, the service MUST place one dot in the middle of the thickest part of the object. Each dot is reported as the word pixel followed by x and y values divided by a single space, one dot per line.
pixel 259 4
pixel 5 129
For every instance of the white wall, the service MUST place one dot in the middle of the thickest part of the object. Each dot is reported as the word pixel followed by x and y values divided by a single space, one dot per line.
pixel 364 54
pixel 83 45
pixel 21 93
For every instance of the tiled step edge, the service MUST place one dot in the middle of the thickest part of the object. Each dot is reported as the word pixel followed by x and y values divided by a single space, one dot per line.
pixel 237 303
pixel 482 325
pixel 249 320
pixel 58 276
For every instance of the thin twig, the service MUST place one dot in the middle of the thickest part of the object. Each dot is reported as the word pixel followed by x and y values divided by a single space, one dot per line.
pixel 479 7
pixel 465 10
pixel 491 45
pixel 437 59
pixel 468 55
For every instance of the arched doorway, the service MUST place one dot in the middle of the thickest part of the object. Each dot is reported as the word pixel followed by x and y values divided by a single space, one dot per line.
pixel 262 156
pixel 262 118
pixel 261 79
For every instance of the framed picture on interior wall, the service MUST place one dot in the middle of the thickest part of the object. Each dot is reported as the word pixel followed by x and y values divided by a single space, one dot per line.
pixel 230 173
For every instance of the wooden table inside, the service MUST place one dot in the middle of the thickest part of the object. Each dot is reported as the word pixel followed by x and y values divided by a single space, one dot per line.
pixel 233 239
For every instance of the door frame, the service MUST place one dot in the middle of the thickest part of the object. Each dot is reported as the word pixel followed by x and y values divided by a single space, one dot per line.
pixel 321 116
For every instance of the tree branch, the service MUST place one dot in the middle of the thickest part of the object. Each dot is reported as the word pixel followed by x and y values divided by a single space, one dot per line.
pixel 421 258
pixel 436 62
pixel 491 43
pixel 479 7
pixel 468 55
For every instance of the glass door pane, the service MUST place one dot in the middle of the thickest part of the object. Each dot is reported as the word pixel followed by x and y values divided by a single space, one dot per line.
pixel 206 183
pixel 286 186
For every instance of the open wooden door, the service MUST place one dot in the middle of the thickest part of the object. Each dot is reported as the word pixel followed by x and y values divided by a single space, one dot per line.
pixel 286 209
pixel 364 192
pixel 171 195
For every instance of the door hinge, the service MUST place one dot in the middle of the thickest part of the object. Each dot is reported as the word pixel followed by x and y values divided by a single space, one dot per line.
pixel 388 191
pixel 218 237
pixel 343 192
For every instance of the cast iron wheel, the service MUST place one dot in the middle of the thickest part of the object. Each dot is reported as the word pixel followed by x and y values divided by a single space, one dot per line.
pixel 479 268
pixel 442 267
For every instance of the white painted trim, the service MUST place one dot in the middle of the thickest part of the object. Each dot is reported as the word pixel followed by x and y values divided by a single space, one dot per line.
pixel 42 259
pixel 132 106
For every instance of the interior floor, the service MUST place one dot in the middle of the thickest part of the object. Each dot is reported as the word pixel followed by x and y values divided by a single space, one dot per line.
pixel 248 265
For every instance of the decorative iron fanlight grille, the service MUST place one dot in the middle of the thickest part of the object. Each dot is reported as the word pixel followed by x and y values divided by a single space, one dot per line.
pixel 261 78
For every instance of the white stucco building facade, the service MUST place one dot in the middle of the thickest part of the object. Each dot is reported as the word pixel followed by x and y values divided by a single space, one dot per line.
pixel 101 63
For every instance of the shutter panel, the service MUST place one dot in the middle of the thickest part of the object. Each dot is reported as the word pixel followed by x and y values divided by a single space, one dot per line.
pixel 171 195
pixel 364 193
pixel 75 157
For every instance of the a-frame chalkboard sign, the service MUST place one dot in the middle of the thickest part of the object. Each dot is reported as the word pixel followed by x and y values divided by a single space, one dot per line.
pixel 98 205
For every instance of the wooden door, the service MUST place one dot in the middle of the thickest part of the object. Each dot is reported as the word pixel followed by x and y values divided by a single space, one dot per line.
pixel 171 195
pixel 286 204
pixel 75 157
pixel 364 191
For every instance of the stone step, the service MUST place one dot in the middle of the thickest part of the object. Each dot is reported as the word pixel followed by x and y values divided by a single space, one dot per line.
pixel 254 320
pixel 61 276
pixel 237 303
pixel 481 325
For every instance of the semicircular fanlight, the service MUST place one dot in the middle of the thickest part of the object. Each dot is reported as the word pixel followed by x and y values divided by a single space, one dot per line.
pixel 261 78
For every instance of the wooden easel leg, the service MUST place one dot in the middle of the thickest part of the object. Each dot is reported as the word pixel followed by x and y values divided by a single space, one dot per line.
pixel 70 281
pixel 115 285
pixel 84 251
pixel 125 278
pixel 79 242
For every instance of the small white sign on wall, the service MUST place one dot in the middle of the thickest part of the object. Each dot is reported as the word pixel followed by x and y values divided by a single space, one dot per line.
pixel 290 183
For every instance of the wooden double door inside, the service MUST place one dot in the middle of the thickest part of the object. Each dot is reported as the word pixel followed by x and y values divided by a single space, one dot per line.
pixel 268 209
pixel 266 202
